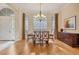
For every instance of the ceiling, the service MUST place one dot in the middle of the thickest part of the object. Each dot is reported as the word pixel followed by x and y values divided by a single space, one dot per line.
pixel 45 7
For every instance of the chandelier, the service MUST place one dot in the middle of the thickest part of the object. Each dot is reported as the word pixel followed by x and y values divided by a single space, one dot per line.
pixel 40 16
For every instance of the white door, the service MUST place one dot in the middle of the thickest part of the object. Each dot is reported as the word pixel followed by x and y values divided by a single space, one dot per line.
pixel 6 26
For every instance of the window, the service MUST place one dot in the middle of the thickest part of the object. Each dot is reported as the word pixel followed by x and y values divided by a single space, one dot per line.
pixel 39 25
pixel 52 24
pixel 26 24
pixel 6 12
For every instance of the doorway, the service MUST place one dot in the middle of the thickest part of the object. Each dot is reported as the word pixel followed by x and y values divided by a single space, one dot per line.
pixel 7 25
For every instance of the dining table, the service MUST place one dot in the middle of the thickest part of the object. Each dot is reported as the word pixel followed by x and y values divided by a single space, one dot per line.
pixel 40 37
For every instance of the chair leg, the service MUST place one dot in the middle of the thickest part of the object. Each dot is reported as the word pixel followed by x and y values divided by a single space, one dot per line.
pixel 34 42
pixel 47 44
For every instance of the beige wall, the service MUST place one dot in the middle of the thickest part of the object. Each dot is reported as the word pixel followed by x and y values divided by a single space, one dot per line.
pixel 69 11
pixel 19 25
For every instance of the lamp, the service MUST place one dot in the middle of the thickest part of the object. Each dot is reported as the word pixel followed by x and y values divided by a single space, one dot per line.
pixel 40 16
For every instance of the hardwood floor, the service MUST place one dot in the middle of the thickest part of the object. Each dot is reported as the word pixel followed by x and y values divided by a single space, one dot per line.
pixel 55 47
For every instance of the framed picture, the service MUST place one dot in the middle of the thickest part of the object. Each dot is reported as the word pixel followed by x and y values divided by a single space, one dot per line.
pixel 70 23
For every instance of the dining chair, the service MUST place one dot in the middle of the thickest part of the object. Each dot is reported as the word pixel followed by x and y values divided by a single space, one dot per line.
pixel 37 37
pixel 30 38
pixel 45 37
pixel 51 36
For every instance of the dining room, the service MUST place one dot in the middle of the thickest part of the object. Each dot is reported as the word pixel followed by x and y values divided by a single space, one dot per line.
pixel 39 28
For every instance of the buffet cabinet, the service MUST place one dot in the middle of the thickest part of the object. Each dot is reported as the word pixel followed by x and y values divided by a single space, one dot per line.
pixel 71 39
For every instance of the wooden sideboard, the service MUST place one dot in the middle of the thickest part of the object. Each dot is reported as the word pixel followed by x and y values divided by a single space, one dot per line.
pixel 71 39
